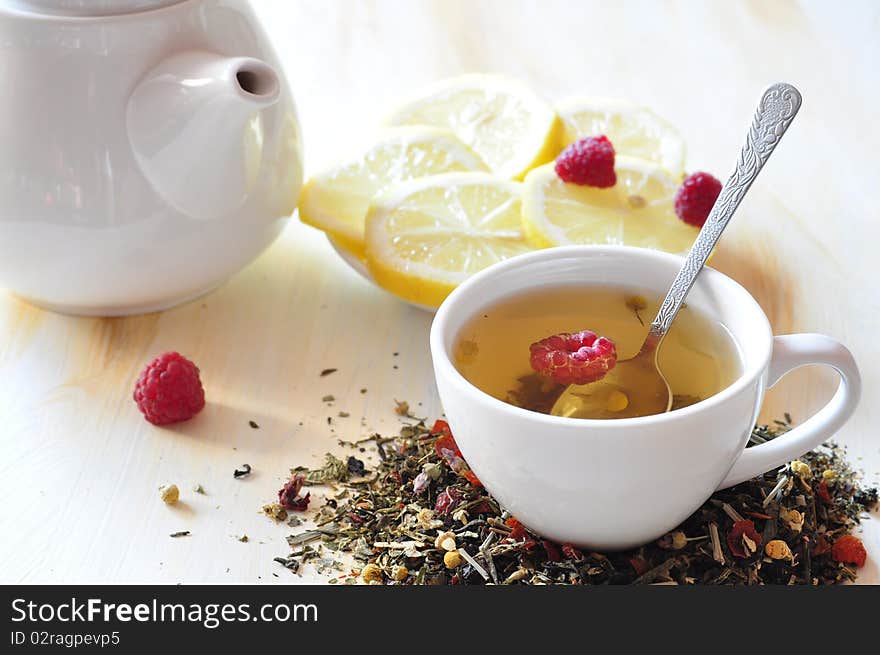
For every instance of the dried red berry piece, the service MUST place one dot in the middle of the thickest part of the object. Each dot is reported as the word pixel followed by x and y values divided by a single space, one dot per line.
pixel 695 198
pixel 169 390
pixel 471 477
pixel 577 358
pixel 441 427
pixel 822 492
pixel 518 533
pixel 448 500
pixel 639 564
pixel 849 550
pixel 448 450
pixel 517 530
pixel 572 553
pixel 821 547
pixel 743 540
pixel 588 162
pixel 554 554
pixel 288 495
pixel 482 507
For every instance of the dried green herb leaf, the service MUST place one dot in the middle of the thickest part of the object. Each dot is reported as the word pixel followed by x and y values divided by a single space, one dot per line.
pixel 334 470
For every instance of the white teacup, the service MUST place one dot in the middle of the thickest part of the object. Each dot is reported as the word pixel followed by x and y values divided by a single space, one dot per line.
pixel 614 484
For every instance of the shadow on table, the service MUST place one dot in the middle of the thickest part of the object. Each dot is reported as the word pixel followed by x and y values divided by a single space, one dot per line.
pixel 757 267
pixel 765 274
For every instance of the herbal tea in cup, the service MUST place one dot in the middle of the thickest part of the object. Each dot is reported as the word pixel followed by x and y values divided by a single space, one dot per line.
pixel 493 350
pixel 612 484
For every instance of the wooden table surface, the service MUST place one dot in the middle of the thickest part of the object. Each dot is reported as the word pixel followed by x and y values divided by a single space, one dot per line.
pixel 80 468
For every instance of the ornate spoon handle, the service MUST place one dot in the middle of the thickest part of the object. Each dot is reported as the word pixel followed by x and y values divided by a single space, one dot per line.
pixel 776 109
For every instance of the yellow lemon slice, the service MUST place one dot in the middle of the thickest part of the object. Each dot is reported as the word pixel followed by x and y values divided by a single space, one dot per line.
pixel 635 131
pixel 504 121
pixel 336 200
pixel 426 236
pixel 637 211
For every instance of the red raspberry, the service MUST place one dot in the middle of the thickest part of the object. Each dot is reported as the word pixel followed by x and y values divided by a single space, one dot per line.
pixel 169 390
pixel 576 358
pixel 695 198
pixel 849 550
pixel 588 162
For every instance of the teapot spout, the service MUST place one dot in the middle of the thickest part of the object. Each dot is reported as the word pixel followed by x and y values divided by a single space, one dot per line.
pixel 194 125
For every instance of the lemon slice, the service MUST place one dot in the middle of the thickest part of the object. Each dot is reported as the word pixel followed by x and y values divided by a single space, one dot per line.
pixel 637 211
pixel 426 236
pixel 635 131
pixel 336 199
pixel 510 127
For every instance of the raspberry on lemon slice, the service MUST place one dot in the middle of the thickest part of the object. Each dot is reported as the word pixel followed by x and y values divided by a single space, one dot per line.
pixel 695 198
pixel 336 199
pixel 503 120
pixel 426 236
pixel 635 131
pixel 588 162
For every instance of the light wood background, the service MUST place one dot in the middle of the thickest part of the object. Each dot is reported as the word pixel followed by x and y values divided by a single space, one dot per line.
pixel 80 468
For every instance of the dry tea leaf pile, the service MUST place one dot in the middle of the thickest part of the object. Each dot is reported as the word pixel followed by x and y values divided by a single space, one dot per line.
pixel 421 517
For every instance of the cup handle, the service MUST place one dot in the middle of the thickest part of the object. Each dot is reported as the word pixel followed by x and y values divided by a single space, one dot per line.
pixel 790 352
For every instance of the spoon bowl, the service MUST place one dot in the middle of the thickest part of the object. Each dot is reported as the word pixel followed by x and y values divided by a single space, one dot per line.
pixel 611 396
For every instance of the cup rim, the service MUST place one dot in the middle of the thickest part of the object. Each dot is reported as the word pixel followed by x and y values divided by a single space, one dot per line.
pixel 443 362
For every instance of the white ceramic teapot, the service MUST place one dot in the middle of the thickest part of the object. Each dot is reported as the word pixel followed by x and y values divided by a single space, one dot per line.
pixel 148 150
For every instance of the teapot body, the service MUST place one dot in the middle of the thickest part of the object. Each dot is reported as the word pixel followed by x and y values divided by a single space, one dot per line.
pixel 86 225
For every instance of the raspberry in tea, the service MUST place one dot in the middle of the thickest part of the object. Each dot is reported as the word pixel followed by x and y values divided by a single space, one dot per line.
pixel 526 348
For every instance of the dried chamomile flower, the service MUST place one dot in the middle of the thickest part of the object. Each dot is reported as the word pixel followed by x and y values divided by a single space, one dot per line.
pixel 801 469
pixel 673 540
pixel 452 559
pixel 793 519
pixel 426 519
pixel 778 549
pixel 169 494
pixel 275 511
pixel 372 573
pixel 400 573
pixel 411 550
pixel 445 541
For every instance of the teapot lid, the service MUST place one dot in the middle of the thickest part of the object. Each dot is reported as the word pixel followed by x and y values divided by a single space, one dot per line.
pixel 85 8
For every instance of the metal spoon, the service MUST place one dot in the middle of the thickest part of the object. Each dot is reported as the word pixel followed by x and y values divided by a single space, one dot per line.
pixel 611 396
